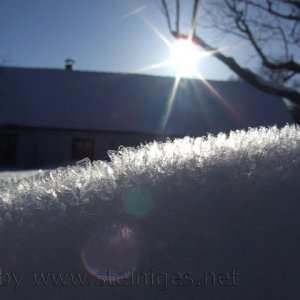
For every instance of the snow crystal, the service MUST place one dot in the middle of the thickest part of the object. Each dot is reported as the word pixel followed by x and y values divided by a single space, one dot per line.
pixel 211 203
pixel 240 157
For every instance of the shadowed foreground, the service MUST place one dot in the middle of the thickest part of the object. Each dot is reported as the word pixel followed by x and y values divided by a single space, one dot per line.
pixel 209 218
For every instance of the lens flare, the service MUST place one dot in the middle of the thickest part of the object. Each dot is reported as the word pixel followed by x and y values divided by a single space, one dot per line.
pixel 184 58
pixel 138 201
pixel 111 254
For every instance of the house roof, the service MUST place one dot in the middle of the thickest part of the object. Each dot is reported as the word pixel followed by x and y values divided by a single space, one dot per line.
pixel 126 102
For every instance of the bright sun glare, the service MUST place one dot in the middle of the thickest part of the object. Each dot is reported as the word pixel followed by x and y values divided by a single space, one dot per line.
pixel 184 57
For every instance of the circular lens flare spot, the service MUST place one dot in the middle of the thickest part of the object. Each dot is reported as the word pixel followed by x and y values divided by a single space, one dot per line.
pixel 137 201
pixel 111 254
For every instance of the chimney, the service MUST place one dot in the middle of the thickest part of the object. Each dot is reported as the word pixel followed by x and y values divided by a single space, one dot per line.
pixel 69 64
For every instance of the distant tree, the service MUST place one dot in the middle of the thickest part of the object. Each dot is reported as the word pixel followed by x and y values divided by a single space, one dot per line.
pixel 271 28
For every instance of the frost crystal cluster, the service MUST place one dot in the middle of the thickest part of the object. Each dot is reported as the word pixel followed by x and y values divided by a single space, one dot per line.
pixel 214 204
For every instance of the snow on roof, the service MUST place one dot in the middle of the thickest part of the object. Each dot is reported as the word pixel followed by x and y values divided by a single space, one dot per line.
pixel 125 102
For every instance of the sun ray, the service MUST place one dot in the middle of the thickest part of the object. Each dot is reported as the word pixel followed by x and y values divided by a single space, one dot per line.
pixel 192 71
pixel 162 64
pixel 169 104
pixel 158 32
pixel 219 97
pixel 133 12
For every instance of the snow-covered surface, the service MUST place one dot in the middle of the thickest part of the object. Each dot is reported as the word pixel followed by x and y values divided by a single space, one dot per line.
pixel 238 158
pixel 212 203
pixel 135 103
pixel 16 174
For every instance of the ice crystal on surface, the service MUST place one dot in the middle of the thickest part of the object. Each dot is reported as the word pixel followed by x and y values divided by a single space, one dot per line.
pixel 212 204
pixel 268 154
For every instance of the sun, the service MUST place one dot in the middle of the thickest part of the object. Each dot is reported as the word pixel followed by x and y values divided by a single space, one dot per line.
pixel 184 57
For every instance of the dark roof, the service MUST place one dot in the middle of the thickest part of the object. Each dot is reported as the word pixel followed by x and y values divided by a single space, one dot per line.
pixel 125 102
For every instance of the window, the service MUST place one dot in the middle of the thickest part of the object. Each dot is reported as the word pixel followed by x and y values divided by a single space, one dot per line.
pixel 8 148
pixel 82 148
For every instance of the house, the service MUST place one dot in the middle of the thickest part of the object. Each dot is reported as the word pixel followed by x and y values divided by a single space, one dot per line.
pixel 50 116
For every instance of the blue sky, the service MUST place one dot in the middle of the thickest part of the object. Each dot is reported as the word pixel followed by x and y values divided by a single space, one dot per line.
pixel 100 35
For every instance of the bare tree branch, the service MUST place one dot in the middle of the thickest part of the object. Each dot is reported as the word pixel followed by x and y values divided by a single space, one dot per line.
pixel 270 9
pixel 194 17
pixel 260 23
pixel 177 16
pixel 167 14
pixel 243 26
pixel 296 3
pixel 244 73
